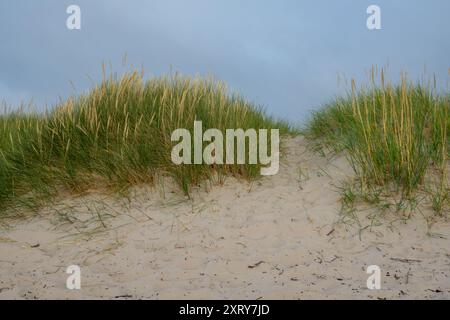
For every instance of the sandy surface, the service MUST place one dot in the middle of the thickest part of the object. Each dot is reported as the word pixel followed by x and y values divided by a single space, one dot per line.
pixel 276 238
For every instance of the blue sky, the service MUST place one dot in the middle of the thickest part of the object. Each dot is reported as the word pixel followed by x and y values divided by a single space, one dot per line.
pixel 284 55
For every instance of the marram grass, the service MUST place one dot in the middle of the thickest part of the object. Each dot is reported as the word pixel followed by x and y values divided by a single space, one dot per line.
pixel 395 136
pixel 117 135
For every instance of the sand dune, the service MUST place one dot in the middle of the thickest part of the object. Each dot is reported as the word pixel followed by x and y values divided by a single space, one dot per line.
pixel 277 238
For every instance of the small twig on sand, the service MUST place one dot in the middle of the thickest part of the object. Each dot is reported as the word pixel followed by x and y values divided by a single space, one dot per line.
pixel 124 296
pixel 256 264
pixel 405 260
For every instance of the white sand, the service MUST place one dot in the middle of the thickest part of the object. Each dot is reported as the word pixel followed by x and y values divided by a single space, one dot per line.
pixel 272 239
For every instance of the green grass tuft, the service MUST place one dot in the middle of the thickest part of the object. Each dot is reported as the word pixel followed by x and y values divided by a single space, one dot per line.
pixel 393 135
pixel 118 135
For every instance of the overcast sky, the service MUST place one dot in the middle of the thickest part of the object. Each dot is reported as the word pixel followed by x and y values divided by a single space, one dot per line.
pixel 284 55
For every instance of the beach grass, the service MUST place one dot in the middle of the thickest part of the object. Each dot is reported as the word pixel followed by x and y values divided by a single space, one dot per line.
pixel 117 135
pixel 396 136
